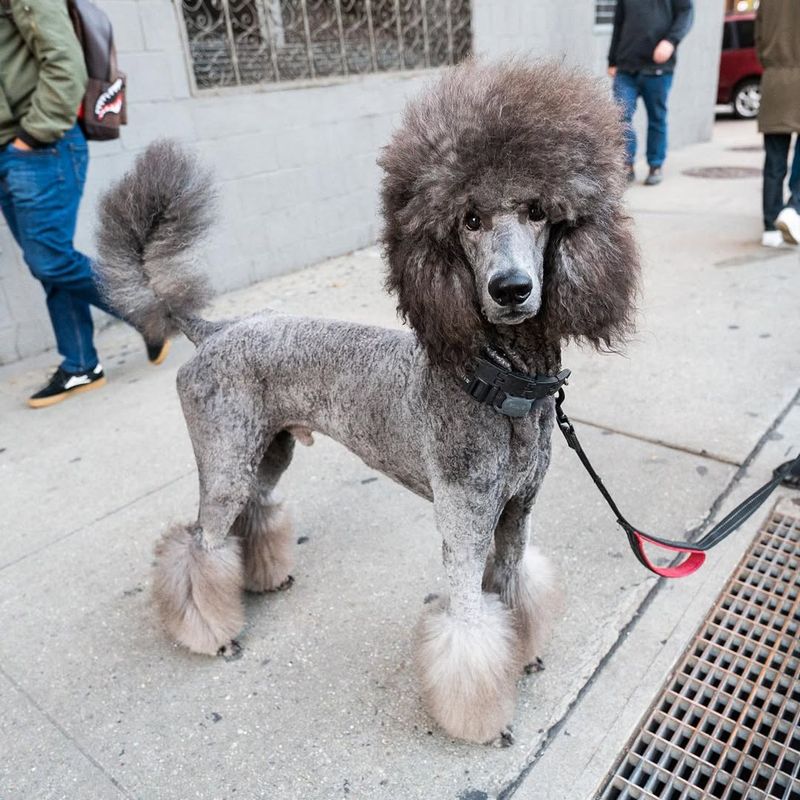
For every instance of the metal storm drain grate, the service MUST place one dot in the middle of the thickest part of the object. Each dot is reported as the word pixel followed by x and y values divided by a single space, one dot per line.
pixel 727 724
pixel 723 172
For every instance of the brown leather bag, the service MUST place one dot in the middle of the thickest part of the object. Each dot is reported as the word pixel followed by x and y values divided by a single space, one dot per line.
pixel 103 109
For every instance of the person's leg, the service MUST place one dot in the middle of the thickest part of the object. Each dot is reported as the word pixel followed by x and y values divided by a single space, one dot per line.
pixel 626 94
pixel 44 188
pixel 655 91
pixel 794 178
pixel 776 152
pixel 788 219
pixel 6 202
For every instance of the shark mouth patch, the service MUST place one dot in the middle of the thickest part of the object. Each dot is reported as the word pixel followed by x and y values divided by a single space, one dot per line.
pixel 110 101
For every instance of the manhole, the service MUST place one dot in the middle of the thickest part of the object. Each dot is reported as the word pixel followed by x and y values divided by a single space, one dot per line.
pixel 727 724
pixel 723 172
pixel 747 148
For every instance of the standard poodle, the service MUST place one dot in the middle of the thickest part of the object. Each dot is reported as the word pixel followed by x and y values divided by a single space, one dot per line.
pixel 505 237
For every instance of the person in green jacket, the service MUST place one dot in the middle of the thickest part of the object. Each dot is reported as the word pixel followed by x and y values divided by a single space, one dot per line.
pixel 43 162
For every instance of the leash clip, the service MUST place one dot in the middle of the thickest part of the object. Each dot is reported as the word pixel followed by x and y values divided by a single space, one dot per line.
pixel 564 424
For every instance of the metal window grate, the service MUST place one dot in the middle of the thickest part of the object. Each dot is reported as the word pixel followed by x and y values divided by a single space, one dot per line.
pixel 727 724
pixel 604 12
pixel 237 42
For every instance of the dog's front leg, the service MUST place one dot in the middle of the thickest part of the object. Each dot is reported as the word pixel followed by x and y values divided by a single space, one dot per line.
pixel 465 645
pixel 523 578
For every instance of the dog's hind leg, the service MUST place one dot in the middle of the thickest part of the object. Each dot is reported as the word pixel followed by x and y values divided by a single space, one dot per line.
pixel 198 576
pixel 523 578
pixel 264 526
pixel 465 643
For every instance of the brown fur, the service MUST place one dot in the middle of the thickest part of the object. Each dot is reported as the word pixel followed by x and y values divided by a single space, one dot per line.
pixel 487 133
pixel 530 590
pixel 468 669
pixel 197 591
pixel 267 537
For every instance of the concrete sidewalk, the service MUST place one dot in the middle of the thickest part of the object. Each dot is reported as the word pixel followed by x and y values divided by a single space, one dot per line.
pixel 322 702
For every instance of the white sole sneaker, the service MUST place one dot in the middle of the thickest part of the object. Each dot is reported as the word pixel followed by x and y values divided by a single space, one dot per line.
pixel 788 223
pixel 772 239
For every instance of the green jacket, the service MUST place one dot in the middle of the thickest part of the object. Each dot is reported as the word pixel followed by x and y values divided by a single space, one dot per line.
pixel 42 71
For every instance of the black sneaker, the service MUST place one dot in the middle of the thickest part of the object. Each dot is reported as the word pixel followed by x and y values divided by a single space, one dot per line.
pixel 64 383
pixel 156 353
pixel 655 177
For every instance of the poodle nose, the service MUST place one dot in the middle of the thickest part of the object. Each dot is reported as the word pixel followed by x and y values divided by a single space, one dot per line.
pixel 509 288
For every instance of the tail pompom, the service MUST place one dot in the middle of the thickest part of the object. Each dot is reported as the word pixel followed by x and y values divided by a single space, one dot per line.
pixel 150 221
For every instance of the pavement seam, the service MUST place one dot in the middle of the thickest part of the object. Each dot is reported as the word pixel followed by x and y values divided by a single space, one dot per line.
pixel 95 520
pixel 71 739
pixel 660 442
pixel 513 785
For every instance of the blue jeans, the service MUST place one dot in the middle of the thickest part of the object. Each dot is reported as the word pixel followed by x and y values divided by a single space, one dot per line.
pixel 654 90
pixel 776 156
pixel 40 191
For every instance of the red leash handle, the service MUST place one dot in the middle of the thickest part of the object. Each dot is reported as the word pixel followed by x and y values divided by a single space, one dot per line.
pixel 695 554
pixel 693 561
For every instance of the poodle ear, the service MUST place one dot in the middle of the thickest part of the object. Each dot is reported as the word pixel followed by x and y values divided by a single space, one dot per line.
pixel 592 282
pixel 436 295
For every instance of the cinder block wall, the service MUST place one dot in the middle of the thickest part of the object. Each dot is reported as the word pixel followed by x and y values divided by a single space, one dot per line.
pixel 296 165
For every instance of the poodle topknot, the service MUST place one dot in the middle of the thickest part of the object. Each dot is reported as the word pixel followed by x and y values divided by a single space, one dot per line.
pixel 488 133
pixel 505 237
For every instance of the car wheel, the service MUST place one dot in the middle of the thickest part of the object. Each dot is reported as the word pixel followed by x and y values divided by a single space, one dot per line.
pixel 747 99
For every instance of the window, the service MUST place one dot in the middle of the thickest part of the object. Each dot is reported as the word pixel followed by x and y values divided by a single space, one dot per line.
pixel 746 30
pixel 728 41
pixel 239 42
pixel 604 12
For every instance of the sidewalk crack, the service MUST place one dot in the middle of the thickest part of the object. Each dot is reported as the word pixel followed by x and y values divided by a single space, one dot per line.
pixel 660 442
pixel 94 521
pixel 67 735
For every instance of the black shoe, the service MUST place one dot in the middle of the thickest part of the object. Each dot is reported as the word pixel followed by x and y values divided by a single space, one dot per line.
pixel 156 353
pixel 63 384
pixel 655 177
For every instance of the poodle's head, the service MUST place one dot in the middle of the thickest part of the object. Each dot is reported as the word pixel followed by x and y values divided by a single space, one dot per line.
pixel 502 204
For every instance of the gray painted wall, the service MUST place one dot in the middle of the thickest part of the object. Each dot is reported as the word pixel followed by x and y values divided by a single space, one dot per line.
pixel 296 165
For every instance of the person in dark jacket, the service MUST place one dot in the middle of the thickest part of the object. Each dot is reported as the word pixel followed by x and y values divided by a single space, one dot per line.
pixel 778 47
pixel 43 162
pixel 641 60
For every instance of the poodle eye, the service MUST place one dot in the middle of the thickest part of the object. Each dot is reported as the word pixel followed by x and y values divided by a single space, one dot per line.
pixel 472 221
pixel 536 212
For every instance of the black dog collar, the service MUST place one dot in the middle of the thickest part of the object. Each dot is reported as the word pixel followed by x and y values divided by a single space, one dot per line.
pixel 511 393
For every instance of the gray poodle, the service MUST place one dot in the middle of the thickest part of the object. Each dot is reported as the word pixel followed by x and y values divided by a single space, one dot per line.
pixel 505 237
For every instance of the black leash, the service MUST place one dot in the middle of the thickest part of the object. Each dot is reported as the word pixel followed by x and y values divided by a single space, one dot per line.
pixel 515 394
pixel 788 472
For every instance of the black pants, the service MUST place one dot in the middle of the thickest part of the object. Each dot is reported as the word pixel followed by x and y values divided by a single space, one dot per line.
pixel 776 148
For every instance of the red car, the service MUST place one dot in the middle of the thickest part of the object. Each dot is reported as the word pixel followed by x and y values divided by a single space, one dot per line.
pixel 739 67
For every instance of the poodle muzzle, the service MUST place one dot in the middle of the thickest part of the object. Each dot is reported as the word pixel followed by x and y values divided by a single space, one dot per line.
pixel 514 270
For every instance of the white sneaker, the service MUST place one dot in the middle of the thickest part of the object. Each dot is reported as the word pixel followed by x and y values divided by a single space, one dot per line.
pixel 772 239
pixel 788 223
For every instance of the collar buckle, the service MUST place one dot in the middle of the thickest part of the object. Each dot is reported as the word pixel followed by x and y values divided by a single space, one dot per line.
pixel 513 394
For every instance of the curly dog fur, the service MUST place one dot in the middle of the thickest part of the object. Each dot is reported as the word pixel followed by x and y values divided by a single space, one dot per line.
pixel 504 235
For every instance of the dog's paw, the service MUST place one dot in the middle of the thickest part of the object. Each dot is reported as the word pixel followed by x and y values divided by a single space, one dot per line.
pixel 537 665
pixel 287 584
pixel 505 739
pixel 232 651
